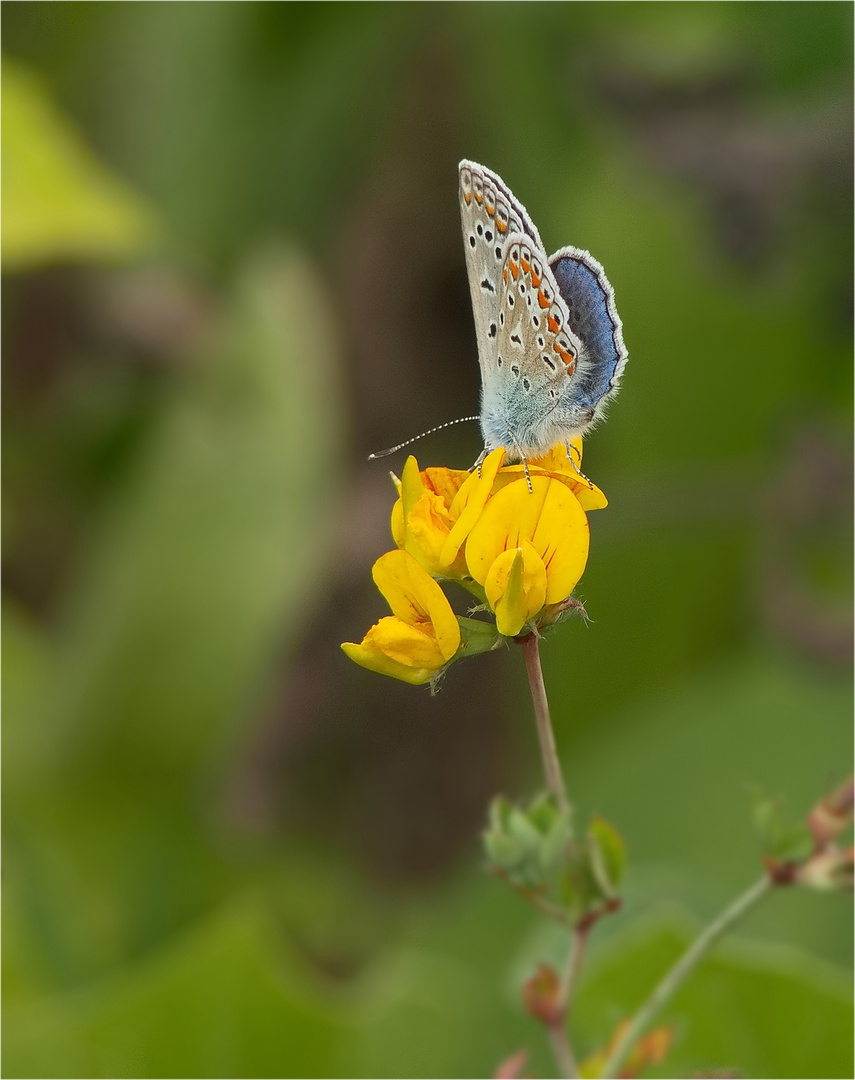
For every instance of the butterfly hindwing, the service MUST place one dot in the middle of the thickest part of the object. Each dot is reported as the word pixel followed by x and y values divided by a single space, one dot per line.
pixel 590 301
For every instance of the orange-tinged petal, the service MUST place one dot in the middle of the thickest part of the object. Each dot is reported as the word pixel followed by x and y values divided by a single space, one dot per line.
pixel 550 516
pixel 516 587
pixel 428 528
pixel 421 520
pixel 469 502
pixel 416 599
pixel 445 482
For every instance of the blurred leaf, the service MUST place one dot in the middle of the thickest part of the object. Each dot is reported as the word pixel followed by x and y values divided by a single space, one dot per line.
pixel 762 1010
pixel 204 576
pixel 224 1000
pixel 686 817
pixel 59 201
pixel 608 854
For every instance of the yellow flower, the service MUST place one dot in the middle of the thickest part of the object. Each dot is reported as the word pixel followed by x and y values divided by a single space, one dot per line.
pixel 436 510
pixel 528 548
pixel 420 636
pixel 557 463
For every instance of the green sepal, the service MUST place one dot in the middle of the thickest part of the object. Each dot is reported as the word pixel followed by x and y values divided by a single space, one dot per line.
pixel 476 637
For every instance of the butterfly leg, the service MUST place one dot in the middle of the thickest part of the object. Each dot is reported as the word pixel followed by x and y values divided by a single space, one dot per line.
pixel 570 448
pixel 524 461
pixel 480 461
pixel 527 477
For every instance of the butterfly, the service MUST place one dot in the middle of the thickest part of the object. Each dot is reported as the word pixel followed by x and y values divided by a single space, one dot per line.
pixel 550 341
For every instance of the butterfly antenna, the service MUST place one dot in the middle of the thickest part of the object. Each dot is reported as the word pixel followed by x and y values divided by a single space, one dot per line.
pixel 415 438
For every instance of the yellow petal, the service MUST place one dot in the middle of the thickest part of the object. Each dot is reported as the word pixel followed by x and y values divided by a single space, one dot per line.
pixel 369 655
pixel 550 516
pixel 399 532
pixel 416 599
pixel 557 459
pixel 428 526
pixel 469 502
pixel 516 588
pixel 590 497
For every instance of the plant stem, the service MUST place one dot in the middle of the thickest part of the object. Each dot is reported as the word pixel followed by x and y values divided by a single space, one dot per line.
pixel 552 767
pixel 563 1053
pixel 558 1029
pixel 573 969
pixel 675 978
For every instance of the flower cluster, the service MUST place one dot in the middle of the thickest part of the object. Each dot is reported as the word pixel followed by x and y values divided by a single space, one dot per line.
pixel 518 543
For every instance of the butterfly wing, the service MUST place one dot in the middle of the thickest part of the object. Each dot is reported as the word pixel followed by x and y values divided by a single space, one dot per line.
pixel 590 301
pixel 489 214
pixel 535 358
pixel 549 337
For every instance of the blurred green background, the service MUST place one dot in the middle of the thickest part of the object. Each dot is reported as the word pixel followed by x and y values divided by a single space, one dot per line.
pixel 232 268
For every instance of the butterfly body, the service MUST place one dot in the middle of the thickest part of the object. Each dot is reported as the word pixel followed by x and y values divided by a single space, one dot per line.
pixel 550 341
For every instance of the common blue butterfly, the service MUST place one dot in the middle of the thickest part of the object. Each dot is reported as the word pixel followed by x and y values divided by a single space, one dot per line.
pixel 550 341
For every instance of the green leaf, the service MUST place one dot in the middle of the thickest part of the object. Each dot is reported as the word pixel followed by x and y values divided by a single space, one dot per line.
pixel 224 999
pixel 608 854
pixel 199 583
pixel 762 1010
pixel 59 201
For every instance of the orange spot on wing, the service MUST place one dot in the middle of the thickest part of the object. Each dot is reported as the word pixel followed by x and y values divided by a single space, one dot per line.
pixel 515 269
pixel 525 264
pixel 505 276
pixel 501 225
pixel 568 358
pixel 535 280
pixel 541 299
pixel 553 324
pixel 467 197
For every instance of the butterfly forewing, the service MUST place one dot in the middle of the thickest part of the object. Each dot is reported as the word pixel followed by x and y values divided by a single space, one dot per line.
pixel 489 214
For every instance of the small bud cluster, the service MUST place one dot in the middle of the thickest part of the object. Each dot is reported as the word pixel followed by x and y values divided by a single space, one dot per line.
pixel 535 850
